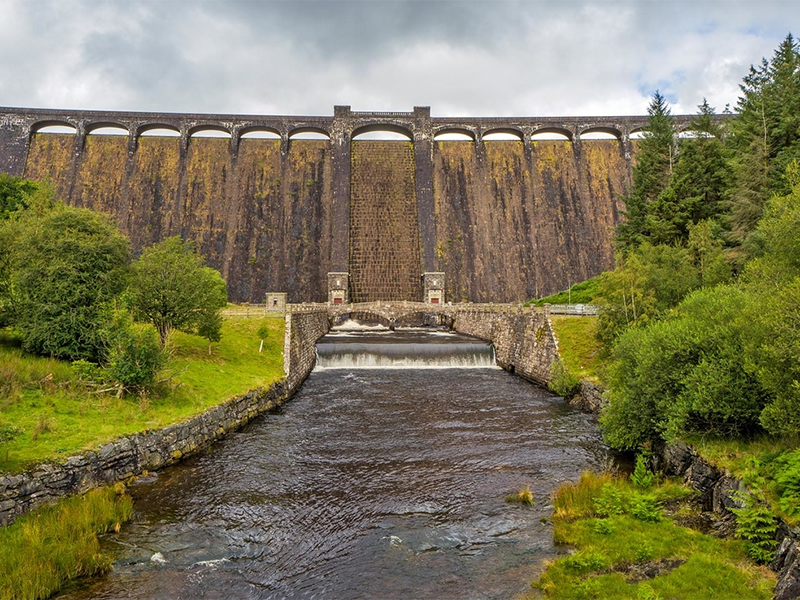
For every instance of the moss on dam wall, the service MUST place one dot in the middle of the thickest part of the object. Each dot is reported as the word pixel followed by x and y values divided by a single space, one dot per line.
pixel 511 221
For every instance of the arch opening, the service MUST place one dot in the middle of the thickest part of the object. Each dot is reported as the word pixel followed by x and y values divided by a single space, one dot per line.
pixel 209 132
pixel 159 131
pixel 383 131
pixel 63 128
pixel 601 133
pixel 107 130
pixel 309 133
pixel 454 135
pixel 260 133
pixel 549 136
pixel 503 135
pixel 638 134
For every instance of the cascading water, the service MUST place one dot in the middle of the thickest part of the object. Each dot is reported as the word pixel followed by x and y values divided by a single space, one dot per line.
pixel 403 350
pixel 379 483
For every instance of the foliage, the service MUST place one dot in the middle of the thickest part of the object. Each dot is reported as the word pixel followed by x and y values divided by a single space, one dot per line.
pixel 655 159
pixel 52 545
pixel 684 374
pixel 642 477
pixel 765 136
pixel 606 548
pixel 133 354
pixel 756 524
pixel 14 193
pixel 610 502
pixel 562 381
pixel 524 496
pixel 173 290
pixel 697 184
pixel 67 265
pixel 580 293
pixel 83 420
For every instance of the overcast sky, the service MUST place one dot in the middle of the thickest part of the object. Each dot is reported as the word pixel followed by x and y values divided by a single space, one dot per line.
pixel 469 58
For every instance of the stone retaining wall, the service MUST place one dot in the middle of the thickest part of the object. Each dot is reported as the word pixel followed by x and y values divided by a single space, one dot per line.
pixel 524 341
pixel 151 450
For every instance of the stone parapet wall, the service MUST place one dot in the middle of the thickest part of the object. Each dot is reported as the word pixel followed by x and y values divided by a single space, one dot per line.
pixel 524 341
pixel 151 450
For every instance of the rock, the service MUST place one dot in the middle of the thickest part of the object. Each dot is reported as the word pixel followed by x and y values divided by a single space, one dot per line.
pixel 158 558
pixel 787 564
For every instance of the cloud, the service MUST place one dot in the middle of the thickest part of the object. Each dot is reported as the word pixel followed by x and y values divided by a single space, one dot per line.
pixel 302 57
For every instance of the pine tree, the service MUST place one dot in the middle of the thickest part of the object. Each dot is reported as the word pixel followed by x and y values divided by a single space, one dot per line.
pixel 698 183
pixel 765 136
pixel 655 160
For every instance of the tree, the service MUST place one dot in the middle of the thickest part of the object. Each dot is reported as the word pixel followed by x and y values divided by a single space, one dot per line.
pixel 13 194
pixel 655 160
pixel 67 265
pixel 697 186
pixel 172 289
pixel 765 136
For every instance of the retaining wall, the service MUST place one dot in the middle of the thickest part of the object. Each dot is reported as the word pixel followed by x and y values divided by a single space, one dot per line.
pixel 151 450
pixel 523 340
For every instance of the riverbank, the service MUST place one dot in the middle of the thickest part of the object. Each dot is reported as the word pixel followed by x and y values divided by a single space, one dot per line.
pixel 643 541
pixel 59 417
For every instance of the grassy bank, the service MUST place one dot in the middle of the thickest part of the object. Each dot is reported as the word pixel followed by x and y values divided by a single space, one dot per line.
pixel 631 543
pixel 49 546
pixel 578 346
pixel 59 417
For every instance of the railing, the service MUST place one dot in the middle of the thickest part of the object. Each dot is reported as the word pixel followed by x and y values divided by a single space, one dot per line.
pixel 583 310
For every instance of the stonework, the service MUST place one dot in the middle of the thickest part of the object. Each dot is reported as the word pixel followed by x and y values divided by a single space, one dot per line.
pixel 505 221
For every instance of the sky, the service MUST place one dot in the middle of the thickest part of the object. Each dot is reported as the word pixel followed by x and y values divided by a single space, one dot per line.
pixel 461 58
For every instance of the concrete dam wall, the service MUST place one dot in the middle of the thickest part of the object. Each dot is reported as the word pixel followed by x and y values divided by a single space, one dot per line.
pixel 504 220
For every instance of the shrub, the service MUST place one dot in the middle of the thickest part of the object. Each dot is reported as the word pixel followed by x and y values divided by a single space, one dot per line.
pixel 562 381
pixel 645 508
pixel 134 355
pixel 610 502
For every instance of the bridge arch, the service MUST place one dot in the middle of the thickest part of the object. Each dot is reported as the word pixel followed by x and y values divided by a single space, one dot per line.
pixel 259 132
pixel 502 133
pixel 52 126
pixel 547 131
pixel 600 132
pixel 106 128
pixel 463 133
pixel 158 129
pixel 309 133
pixel 383 127
pixel 209 130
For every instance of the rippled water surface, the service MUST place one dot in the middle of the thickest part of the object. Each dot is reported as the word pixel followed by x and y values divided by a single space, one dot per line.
pixel 370 483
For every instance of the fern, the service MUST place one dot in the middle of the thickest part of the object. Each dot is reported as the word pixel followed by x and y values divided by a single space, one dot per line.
pixel 642 477
pixel 756 525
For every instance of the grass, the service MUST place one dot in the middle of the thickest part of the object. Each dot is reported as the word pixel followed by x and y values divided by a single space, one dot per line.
pixel 49 546
pixel 578 346
pixel 581 293
pixel 524 496
pixel 59 418
pixel 623 552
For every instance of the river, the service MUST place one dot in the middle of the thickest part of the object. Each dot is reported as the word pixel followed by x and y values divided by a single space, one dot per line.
pixel 384 477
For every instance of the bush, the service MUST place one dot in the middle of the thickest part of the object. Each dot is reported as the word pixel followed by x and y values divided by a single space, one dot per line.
pixel 134 355
pixel 562 381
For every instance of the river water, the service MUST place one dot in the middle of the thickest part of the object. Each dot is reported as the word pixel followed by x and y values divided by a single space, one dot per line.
pixel 384 477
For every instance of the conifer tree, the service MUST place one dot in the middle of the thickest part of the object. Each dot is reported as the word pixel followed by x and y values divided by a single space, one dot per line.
pixel 655 160
pixel 697 186
pixel 765 136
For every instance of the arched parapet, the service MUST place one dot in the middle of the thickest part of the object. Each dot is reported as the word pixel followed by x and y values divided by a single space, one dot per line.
pixel 404 129
pixel 39 126
pixel 608 130
pixel 502 131
pixel 95 126
pixel 200 128
pixel 144 128
pixel 553 129
pixel 469 132
pixel 300 129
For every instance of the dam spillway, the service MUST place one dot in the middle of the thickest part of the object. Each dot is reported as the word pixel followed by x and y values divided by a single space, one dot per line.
pixel 371 483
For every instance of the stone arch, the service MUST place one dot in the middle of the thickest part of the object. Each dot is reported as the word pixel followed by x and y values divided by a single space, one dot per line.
pixel 106 128
pixel 40 126
pixel 606 130
pixel 200 130
pixel 150 127
pixel 454 130
pixel 259 131
pixel 506 131
pixel 378 127
pixel 555 130
pixel 318 131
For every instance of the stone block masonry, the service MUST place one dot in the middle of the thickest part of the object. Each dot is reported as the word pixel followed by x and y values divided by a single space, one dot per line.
pixel 523 340
pixel 151 450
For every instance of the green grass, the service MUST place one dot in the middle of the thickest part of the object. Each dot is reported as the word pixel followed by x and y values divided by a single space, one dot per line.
pixel 578 345
pixel 49 546
pixel 60 418
pixel 582 293
pixel 607 547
